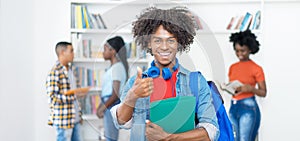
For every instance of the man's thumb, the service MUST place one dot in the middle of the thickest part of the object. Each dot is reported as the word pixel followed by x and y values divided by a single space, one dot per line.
pixel 139 73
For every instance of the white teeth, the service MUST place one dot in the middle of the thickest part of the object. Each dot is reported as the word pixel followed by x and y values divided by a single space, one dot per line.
pixel 164 54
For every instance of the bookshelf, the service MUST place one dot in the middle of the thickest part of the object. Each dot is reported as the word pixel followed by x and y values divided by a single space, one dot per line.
pixel 216 15
pixel 88 37
pixel 117 16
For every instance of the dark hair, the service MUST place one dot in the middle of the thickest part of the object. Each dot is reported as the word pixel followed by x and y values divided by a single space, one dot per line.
pixel 174 20
pixel 118 44
pixel 61 46
pixel 245 38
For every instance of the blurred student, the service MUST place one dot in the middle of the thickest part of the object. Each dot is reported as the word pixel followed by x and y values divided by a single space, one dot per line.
pixel 113 81
pixel 65 113
pixel 244 112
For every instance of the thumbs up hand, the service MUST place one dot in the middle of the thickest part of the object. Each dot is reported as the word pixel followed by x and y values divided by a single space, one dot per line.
pixel 142 87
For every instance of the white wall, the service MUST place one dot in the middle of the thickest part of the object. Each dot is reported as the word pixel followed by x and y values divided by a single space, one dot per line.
pixel 281 37
pixel 51 26
pixel 17 90
pixel 30 29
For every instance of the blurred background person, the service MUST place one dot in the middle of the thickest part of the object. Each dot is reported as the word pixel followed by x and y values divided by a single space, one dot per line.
pixel 113 81
pixel 65 113
pixel 244 112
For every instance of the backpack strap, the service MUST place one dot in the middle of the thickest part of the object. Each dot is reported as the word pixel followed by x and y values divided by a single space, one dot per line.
pixel 194 86
pixel 225 126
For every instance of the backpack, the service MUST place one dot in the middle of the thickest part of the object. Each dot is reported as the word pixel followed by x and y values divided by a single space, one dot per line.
pixel 225 127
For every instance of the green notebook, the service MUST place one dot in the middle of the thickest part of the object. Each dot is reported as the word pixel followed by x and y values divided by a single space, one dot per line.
pixel 174 115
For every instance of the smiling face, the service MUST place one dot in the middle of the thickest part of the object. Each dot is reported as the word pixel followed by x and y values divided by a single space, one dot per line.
pixel 164 47
pixel 242 52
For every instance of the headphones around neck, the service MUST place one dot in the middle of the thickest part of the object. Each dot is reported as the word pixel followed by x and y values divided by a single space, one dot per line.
pixel 154 71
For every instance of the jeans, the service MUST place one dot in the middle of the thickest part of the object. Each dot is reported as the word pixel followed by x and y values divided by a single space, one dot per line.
pixel 245 118
pixel 111 133
pixel 72 134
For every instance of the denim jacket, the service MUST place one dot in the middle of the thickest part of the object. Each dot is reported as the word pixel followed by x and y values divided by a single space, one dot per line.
pixel 206 113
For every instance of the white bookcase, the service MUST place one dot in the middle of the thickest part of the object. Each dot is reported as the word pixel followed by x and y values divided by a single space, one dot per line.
pixel 88 45
pixel 210 53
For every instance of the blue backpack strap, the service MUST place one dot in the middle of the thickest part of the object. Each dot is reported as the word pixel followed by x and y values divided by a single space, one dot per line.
pixel 225 127
pixel 217 98
pixel 194 86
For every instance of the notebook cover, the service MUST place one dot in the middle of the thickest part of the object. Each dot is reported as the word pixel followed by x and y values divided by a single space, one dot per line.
pixel 174 115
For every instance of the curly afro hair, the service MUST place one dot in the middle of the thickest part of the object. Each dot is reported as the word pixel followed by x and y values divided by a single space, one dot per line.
pixel 245 38
pixel 174 20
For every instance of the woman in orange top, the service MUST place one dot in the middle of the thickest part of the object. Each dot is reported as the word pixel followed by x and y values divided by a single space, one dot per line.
pixel 244 112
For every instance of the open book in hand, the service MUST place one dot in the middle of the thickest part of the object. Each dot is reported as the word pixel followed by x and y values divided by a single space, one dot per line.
pixel 231 86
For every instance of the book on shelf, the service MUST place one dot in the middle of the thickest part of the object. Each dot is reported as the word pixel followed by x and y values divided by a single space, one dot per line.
pixel 230 23
pixel 255 24
pixel 95 102
pixel 97 18
pixel 73 16
pixel 74 41
pixel 134 51
pixel 98 22
pixel 102 21
pixel 78 17
pixel 94 21
pixel 239 22
pixel 246 22
pixel 128 49
pixel 87 21
pixel 81 18
pixel 84 48
pixel 231 86
pixel 233 22
pixel 90 103
pixel 77 45
pixel 88 77
pixel 96 52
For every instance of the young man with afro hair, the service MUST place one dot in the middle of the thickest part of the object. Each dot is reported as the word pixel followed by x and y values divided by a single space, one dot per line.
pixel 164 33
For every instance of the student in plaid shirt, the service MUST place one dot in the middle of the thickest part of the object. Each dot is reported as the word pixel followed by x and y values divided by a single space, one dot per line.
pixel 65 114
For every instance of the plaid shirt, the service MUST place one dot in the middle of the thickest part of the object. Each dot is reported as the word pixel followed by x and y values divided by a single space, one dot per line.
pixel 62 109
